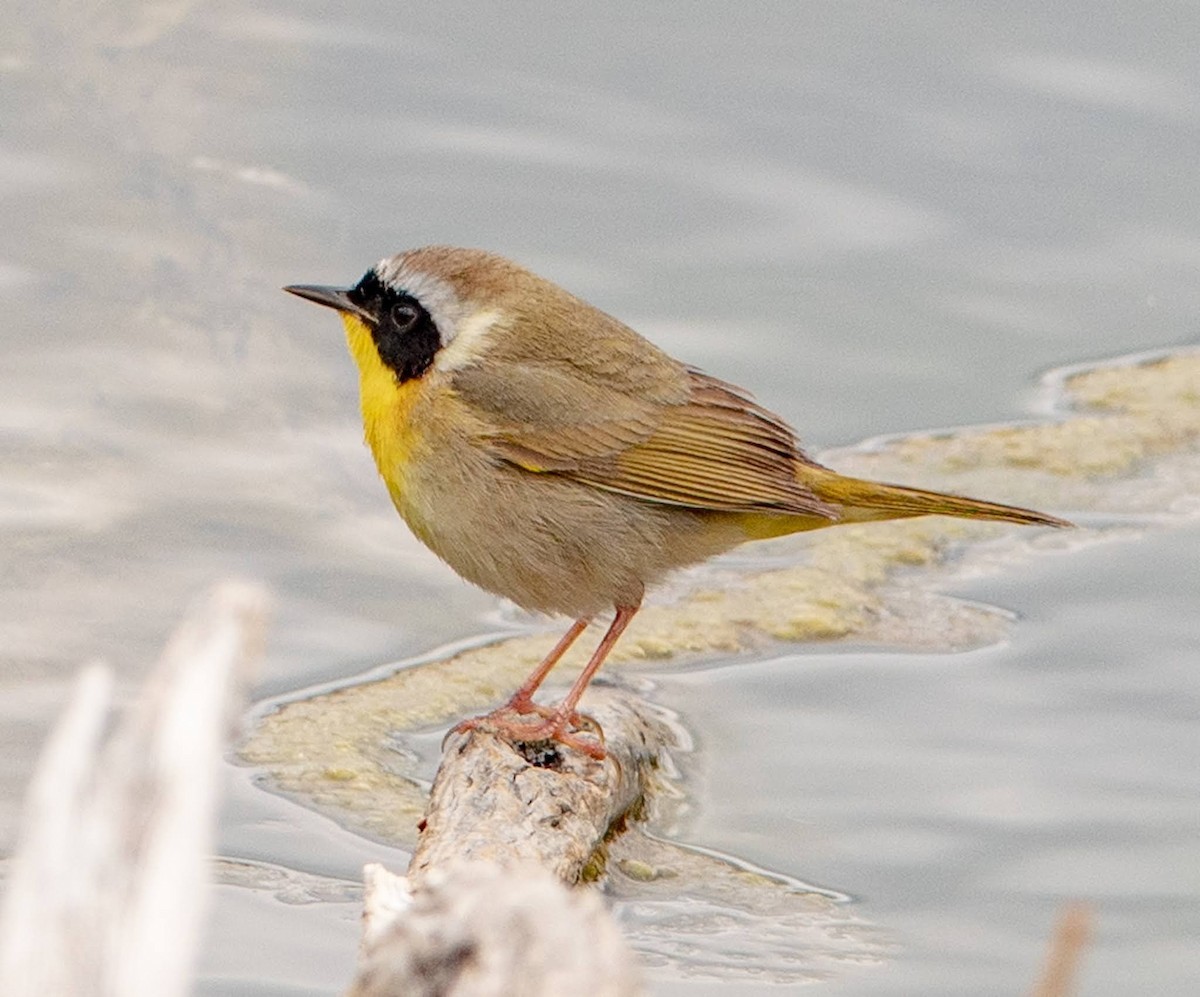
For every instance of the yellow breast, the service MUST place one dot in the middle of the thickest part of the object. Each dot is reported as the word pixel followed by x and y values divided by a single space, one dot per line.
pixel 386 407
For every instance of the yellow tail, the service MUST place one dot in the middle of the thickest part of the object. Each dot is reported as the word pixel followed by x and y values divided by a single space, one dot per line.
pixel 864 501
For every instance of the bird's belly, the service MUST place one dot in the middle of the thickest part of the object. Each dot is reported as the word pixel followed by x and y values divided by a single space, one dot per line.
pixel 547 543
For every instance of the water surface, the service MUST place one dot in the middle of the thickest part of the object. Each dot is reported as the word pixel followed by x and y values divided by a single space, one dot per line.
pixel 879 218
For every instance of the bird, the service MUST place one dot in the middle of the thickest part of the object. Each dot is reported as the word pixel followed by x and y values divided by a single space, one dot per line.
pixel 553 456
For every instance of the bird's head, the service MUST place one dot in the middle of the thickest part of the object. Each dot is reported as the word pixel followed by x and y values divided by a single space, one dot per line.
pixel 425 308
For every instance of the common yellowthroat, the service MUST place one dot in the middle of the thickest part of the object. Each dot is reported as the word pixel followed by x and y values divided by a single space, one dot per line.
pixel 551 455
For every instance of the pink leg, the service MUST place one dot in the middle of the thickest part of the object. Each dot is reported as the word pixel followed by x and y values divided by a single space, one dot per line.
pixel 522 699
pixel 616 628
pixel 553 728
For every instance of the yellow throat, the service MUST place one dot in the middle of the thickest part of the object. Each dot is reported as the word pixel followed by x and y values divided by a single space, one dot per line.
pixel 386 405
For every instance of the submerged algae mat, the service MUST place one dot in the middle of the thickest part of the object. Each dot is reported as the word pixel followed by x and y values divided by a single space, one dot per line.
pixel 1118 451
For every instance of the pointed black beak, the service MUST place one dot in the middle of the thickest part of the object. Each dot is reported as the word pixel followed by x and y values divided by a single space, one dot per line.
pixel 337 298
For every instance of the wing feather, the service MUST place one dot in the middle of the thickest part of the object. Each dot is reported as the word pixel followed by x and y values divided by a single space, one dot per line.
pixel 710 447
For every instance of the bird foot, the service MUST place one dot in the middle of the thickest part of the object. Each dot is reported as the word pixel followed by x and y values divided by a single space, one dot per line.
pixel 507 722
pixel 519 705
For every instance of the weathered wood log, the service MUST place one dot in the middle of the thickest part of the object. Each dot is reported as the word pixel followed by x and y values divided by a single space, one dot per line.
pixel 481 929
pixel 106 892
pixel 1069 939
pixel 486 907
pixel 506 803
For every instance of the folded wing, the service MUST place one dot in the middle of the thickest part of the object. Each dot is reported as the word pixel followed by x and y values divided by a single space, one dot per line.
pixel 700 444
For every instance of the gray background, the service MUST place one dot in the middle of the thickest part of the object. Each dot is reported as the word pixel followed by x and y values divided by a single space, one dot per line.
pixel 880 217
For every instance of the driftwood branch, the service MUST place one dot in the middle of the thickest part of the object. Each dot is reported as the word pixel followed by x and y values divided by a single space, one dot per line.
pixel 1069 940
pixel 479 928
pixel 502 803
pixel 106 890
pixel 485 907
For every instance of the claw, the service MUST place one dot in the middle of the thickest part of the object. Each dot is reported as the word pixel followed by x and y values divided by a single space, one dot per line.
pixel 553 727
pixel 520 706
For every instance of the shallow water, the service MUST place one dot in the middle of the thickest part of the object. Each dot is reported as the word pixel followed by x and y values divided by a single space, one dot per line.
pixel 963 799
pixel 879 219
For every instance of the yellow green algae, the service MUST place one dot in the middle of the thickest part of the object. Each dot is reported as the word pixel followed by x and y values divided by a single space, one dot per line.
pixel 1116 431
pixel 1111 417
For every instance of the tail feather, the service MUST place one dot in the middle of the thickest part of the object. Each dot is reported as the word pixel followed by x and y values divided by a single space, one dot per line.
pixel 863 501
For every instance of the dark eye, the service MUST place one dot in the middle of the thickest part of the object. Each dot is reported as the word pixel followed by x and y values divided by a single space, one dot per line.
pixel 405 315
